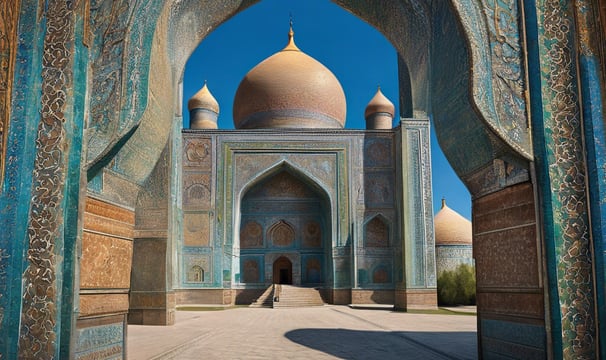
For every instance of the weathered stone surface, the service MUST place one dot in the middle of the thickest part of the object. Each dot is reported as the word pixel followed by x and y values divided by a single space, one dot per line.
pixel 101 304
pixel 8 44
pixel 509 280
pixel 196 229
pixel 415 299
pixel 512 304
pixel 105 261
pixel 372 296
pixel 104 218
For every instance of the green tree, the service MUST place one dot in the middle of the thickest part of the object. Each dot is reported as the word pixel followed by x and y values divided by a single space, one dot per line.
pixel 457 287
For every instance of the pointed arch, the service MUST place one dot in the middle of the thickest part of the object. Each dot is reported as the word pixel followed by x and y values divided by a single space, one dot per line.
pixel 285 165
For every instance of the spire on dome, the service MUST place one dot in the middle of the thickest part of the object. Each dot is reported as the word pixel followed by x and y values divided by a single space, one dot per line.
pixel 291 46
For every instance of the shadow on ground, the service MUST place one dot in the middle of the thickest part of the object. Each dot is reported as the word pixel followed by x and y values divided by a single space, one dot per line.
pixel 385 345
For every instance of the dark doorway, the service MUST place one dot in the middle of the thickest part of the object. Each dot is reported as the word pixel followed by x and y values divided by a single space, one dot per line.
pixel 284 276
pixel 282 271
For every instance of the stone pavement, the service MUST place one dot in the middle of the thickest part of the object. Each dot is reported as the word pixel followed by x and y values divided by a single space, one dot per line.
pixel 327 332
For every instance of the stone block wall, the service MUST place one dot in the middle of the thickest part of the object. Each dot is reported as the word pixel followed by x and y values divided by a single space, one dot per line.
pixel 105 266
pixel 510 293
pixel 372 296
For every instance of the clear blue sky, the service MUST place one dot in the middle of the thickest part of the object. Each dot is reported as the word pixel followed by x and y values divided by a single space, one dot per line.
pixel 359 56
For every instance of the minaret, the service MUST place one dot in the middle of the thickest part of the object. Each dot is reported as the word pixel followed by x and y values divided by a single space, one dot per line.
pixel 203 110
pixel 379 112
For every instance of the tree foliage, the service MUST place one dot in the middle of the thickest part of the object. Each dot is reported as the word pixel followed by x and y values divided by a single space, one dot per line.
pixel 457 287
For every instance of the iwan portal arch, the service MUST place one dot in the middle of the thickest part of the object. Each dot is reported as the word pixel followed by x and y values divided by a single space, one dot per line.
pixel 285 218
pixel 515 94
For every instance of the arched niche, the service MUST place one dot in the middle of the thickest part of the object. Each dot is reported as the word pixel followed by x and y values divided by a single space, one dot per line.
pixel 292 214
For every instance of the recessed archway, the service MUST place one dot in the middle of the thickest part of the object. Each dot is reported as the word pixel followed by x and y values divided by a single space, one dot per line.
pixel 283 211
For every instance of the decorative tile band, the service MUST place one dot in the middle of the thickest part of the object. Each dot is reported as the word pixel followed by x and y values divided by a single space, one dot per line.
pixel 38 337
pixel 563 142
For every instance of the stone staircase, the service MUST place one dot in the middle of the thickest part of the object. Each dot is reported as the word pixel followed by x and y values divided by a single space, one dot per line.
pixel 266 299
pixel 294 296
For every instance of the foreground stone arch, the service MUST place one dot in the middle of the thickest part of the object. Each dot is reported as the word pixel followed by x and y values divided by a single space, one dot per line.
pixel 548 186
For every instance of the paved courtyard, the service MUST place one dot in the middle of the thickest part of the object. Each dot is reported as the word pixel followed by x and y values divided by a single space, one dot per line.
pixel 328 332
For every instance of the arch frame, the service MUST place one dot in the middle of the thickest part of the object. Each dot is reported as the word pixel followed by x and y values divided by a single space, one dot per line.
pixel 243 164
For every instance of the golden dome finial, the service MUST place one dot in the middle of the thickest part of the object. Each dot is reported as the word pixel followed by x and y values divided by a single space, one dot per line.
pixel 291 38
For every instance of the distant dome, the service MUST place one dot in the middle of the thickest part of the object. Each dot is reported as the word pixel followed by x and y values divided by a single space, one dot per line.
pixel 203 110
pixel 379 104
pixel 289 89
pixel 451 228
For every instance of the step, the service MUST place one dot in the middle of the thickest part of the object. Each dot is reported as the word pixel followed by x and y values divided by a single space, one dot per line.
pixel 293 296
pixel 266 299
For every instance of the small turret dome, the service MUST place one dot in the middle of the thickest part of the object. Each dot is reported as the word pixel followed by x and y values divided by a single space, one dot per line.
pixel 203 110
pixel 289 89
pixel 451 228
pixel 379 112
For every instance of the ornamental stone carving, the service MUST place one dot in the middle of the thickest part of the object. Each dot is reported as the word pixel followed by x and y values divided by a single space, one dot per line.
pixel 281 234
pixel 312 235
pixel 196 229
pixel 197 153
pixel 251 235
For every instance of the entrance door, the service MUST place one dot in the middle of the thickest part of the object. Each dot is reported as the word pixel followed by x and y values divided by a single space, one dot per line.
pixel 282 271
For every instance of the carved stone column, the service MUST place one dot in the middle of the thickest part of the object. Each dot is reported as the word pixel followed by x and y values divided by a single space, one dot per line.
pixel 561 173
pixel 418 290
pixel 53 221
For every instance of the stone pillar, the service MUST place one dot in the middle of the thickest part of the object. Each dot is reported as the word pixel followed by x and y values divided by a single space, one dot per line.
pixel 418 290
pixel 592 73
pixel 152 300
pixel 40 200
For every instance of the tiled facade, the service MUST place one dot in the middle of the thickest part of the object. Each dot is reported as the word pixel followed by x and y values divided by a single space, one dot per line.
pixel 252 197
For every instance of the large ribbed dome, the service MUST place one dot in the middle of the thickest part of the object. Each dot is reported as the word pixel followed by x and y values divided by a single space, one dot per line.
pixel 289 89
pixel 451 228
